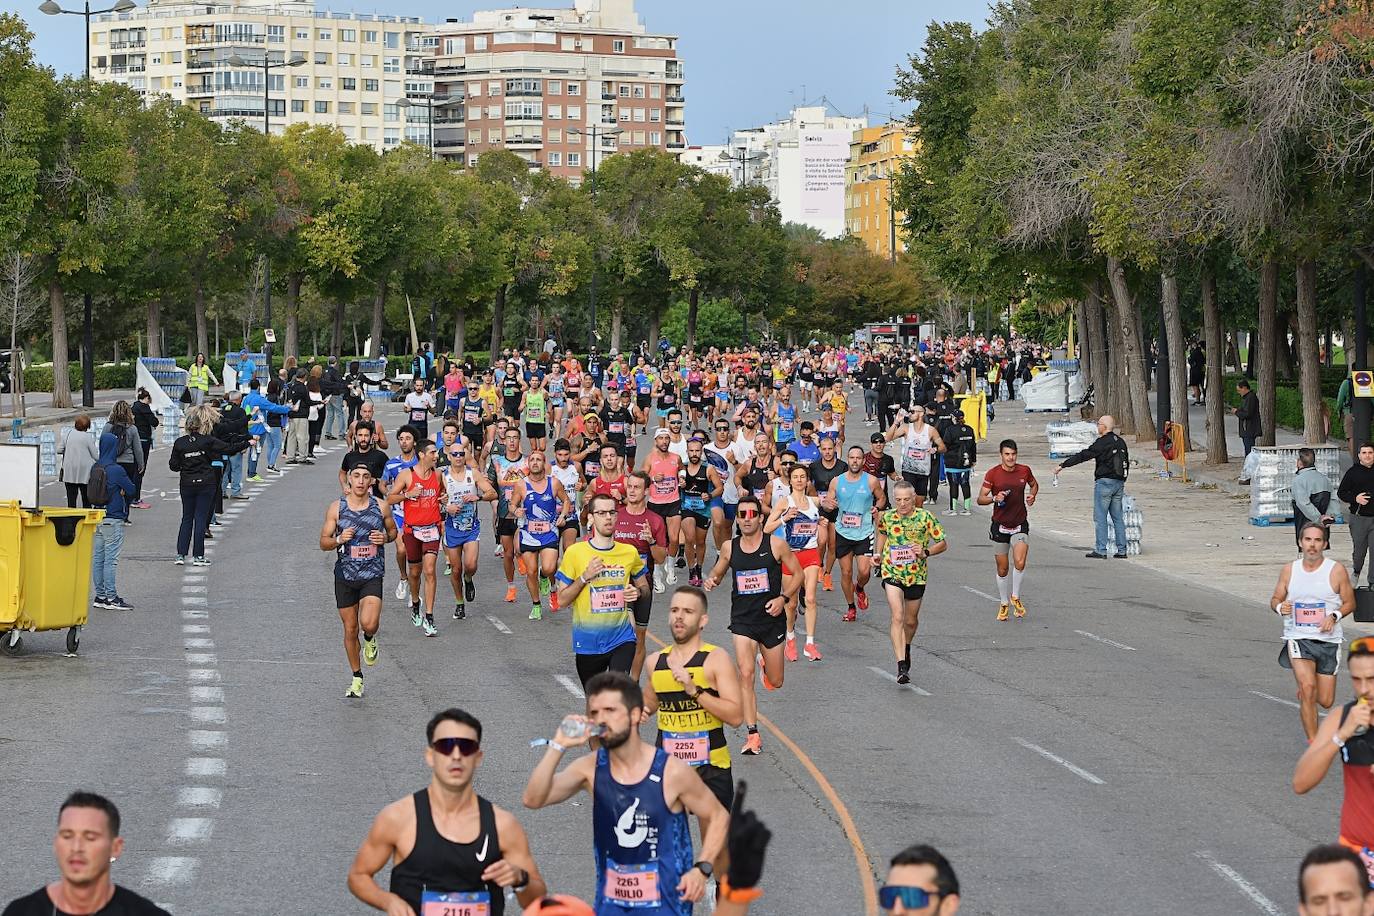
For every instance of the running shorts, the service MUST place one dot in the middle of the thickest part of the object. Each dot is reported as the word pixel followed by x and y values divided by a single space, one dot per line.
pixel 505 527
pixel 808 557
pixel 350 594
pixel 455 538
pixel 921 482
pixel 728 508
pixel 667 510
pixel 720 781
pixel 644 604
pixel 618 659
pixel 1002 540
pixel 416 548
pixel 536 431
pixel 1327 655
pixel 765 630
pixel 844 546
pixel 913 592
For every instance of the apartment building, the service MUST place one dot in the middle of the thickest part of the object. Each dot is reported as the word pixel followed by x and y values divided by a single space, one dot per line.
pixel 875 155
pixel 561 88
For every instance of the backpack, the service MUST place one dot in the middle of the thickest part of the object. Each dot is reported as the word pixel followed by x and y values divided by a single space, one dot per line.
pixel 1120 460
pixel 98 487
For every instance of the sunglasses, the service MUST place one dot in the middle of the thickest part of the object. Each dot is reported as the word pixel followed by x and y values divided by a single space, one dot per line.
pixel 466 746
pixel 748 513
pixel 913 898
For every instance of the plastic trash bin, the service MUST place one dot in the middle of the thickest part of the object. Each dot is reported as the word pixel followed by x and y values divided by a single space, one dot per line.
pixel 11 561
pixel 54 572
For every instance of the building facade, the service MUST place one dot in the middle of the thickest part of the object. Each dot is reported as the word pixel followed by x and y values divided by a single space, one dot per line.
pixel 875 155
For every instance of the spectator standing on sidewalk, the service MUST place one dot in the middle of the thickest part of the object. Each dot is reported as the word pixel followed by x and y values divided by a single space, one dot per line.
pixel 79 452
pixel 130 452
pixel 233 428
pixel 109 536
pixel 335 411
pixel 244 371
pixel 145 419
pixel 315 391
pixel 1357 491
pixel 193 457
pixel 1346 415
pixel 298 421
pixel 1311 496
pixel 1111 461
pixel 199 379
pixel 1248 418
pixel 263 414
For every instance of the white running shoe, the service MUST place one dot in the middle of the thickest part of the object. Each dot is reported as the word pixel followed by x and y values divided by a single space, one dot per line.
pixel 658 580
pixel 670 574
pixel 402 590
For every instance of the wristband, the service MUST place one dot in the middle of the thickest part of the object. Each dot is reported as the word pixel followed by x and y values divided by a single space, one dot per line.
pixel 1336 740
pixel 550 743
pixel 737 895
pixel 1276 606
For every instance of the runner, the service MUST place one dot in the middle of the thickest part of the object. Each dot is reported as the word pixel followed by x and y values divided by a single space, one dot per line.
pixel 878 462
pixel 822 473
pixel 405 443
pixel 367 413
pixel 783 417
pixel 720 454
pixel 908 536
pixel 511 388
pixel 451 851
pixel 646 532
pixel 758 602
pixel 1333 881
pixel 806 446
pixel 557 387
pixel 473 414
pixel 419 403
pixel 663 468
pixel 420 489
pixel 756 474
pixel 364 454
pixel 610 477
pixel 961 453
pixel 601 578
pixel 829 427
pixel 701 486
pixel 355 528
pixel 619 422
pixel 540 504
pixel 1312 595
pixel 857 497
pixel 695 691
pixel 1010 489
pixel 463 527
pixel 534 406
pixel 799 516
pixel 644 380
pixel 641 797
pixel 567 473
pixel 920 447
pixel 506 470
pixel 677 442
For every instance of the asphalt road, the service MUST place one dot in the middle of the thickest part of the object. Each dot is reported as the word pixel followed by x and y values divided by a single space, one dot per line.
pixel 1126 749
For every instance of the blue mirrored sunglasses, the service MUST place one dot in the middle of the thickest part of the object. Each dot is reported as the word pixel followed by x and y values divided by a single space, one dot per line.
pixel 913 898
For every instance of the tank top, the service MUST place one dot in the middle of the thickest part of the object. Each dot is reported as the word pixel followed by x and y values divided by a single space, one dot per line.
pixel 643 847
pixel 437 866
pixel 470 409
pixel 1357 805
pixel 508 471
pixel 360 559
pixel 756 578
pixel 916 450
pixel 617 420
pixel 854 499
pixel 1312 598
pixel 465 519
pixel 801 530
pixel 685 728
pixel 787 422
pixel 556 388
pixel 696 488
pixel 756 478
pixel 541 515
pixel 644 385
pixel 664 470
pixel 667 395
pixel 719 459
pixel 614 488
pixel 422 512
pixel 535 407
pixel 591 464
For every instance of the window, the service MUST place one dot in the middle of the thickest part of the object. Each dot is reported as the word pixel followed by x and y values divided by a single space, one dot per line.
pixel 298 105
pixel 474 90
pixel 369 108
pixel 321 108
pixel 494 112
pixel 454 46
pixel 324 82
pixel 655 138
pixel 276 33
pixel 393 39
pixel 655 91
pixel 555 135
pixel 555 159
pixel 474 112
pixel 555 87
pixel 346 108
pixel 494 136
pixel 574 160
pixel 367 60
pixel 302 34
pixel 574 112
pixel 370 85
pixel 639 114
pixel 157 84
pixel 369 133
pixel 391 136
pixel 302 82
pixel 494 88
pixel 639 138
pixel 322 58
pixel 624 90
pixel 157 59
pixel 655 114
pixel 370 36
pixel 556 112
pixel 348 34
pixel 176 57
pixel 624 114
pixel 529 108
pixel 391 65
pixel 345 60
pixel 391 114
pixel 524 87
pixel 326 35
pixel 639 92
pixel 574 88
pixel 618 46
pixel 349 84
pixel 350 133
pixel 479 42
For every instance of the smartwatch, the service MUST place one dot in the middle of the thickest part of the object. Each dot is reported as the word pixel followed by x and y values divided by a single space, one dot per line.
pixel 704 867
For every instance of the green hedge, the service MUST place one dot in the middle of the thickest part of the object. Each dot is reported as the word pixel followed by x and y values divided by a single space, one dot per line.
pixel 122 375
pixel 1287 401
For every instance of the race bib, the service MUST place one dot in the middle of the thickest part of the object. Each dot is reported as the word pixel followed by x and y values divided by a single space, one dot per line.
pixel 851 520
pixel 693 748
pixel 804 528
pixel 426 534
pixel 693 502
pixel 593 468
pixel 1015 529
pixel 901 555
pixel 608 599
pixel 535 415
pixel 538 526
pixel 476 903
pixel 506 490
pixel 1309 613
pixel 631 885
pixel 665 486
pixel 669 399
pixel 362 551
pixel 617 428
pixel 645 389
pixel 751 582
pixel 785 426
pixel 419 416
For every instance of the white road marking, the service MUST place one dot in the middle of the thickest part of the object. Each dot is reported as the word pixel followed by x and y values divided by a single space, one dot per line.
pixel 194 628
pixel 496 622
pixel 199 658
pixel 205 766
pixel 188 614
pixel 194 589
pixel 213 714
pixel 1260 693
pixel 1105 641
pixel 171 870
pixel 206 740
pixel 192 577
pixel 570 685
pixel 199 643
pixel 202 674
pixel 183 830
pixel 1076 770
pixel 198 797
pixel 893 678
pixel 1261 902
pixel 207 694
pixel 984 595
pixel 192 601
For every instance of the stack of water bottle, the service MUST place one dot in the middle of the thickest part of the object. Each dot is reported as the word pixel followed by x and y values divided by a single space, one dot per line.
pixel 167 374
pixel 171 423
pixel 1069 437
pixel 47 453
pixel 1271 470
pixel 1134 520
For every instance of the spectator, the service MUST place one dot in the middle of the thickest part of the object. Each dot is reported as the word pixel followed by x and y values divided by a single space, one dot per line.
pixel 145 419
pixel 1248 418
pixel 79 452
pixel 245 370
pixel 130 452
pixel 1111 462
pixel 335 412
pixel 109 536
pixel 298 421
pixel 276 423
pixel 262 412
pixel 1197 365
pixel 1311 496
pixel 199 379
pixel 315 415
pixel 1357 491
pixel 193 456
pixel 233 428
pixel 1345 413
pixel 353 391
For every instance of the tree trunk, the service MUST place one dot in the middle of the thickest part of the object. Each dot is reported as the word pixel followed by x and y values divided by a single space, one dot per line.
pixel 617 313
pixel 154 328
pixel 1132 356
pixel 1178 357
pixel 61 381
pixel 498 321
pixel 1216 360
pixel 655 317
pixel 202 326
pixel 378 317
pixel 1309 356
pixel 1267 347
pixel 1288 354
pixel 460 329
pixel 291 345
pixel 693 303
pixel 336 338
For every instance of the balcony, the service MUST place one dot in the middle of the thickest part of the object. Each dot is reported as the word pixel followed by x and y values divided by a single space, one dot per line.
pixel 524 142
pixel 136 68
pixel 608 96
pixel 454 70
pixel 524 116
pixel 676 144
pixel 675 74
pixel 198 91
pixel 608 119
pixel 526 93
pixel 675 100
pixel 119 45
pixel 200 65
pixel 449 143
pixel 675 122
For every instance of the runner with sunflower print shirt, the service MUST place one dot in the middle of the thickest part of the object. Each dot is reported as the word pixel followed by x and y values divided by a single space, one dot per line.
pixel 907 535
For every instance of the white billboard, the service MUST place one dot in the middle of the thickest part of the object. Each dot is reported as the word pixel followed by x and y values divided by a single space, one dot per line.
pixel 824 154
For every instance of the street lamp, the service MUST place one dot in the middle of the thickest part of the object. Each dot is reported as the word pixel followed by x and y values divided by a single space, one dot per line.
pixel 744 158
pixel 50 8
pixel 428 105
pixel 596 132
pixel 268 65
pixel 891 215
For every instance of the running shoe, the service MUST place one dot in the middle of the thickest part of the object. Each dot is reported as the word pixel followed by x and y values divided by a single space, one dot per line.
pixel 448 569
pixel 209 535
pixel 180 560
pixel 1002 611
pixel 499 552
pixel 402 589
pixel 469 590
pixel 966 512
pixel 543 587
pixel 200 561
pixel 658 580
pixel 510 593
pixel 460 611
pixel 850 615
pixel 670 574
pixel 863 600
pixel 143 504
pixel 753 744
pixel 256 478
pixel 827 583
pixel 118 604
pixel 355 690
pixel 681 560
pixel 790 651
pixel 101 601
pixel 1018 607
pixel 950 512
pixel 429 627
pixel 695 580
pixel 416 618
pixel 553 601
pixel 309 460
pixel 811 651
pixel 536 612
pixel 904 672
pixel 370 649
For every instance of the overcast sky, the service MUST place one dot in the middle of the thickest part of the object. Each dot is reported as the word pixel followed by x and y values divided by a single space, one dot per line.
pixel 747 61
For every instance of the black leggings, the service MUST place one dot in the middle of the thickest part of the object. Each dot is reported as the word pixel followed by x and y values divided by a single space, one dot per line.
pixel 75 490
pixel 958 481
pixel 618 659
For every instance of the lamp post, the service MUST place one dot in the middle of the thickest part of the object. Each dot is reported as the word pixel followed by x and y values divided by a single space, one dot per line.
pixel 891 216
pixel 743 159
pixel 268 65
pixel 50 8
pixel 428 105
pixel 596 133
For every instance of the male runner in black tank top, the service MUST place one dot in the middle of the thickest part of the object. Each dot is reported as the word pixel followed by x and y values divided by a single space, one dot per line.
pixel 446 839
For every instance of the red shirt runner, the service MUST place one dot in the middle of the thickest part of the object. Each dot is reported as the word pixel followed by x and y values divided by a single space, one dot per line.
pixel 1012 513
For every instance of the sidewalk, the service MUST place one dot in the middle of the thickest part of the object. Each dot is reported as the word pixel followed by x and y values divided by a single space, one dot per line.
pixel 39 413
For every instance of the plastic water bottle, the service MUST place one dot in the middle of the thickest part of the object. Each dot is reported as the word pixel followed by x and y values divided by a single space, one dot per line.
pixel 1363 728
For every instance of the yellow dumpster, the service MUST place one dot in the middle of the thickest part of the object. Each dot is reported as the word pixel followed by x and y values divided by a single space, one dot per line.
pixel 54 572
pixel 11 527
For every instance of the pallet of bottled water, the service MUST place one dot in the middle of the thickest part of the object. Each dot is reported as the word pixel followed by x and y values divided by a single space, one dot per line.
pixel 47 453
pixel 171 423
pixel 1069 437
pixel 1134 520
pixel 1271 480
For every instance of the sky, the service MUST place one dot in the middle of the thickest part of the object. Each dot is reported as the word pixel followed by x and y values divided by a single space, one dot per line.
pixel 748 62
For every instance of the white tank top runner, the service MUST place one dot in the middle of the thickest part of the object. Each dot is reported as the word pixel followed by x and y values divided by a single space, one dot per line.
pixel 1313 598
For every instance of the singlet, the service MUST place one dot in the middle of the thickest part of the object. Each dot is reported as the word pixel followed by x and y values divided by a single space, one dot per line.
pixel 617 421
pixel 417 407
pixel 916 450
pixel 644 385
pixel 756 579
pixel 854 499
pixel 678 447
pixel 822 475
pixel 465 519
pixel 686 729
pixel 422 512
pixel 536 407
pixel 787 422
pixel 643 847
pixel 719 458
pixel 539 528
pixel 393 469
pixel 756 478
pixel 470 410
pixel 510 395
pixel 1312 597
pixel 614 488
pixel 438 866
pixel 591 462
pixel 696 488
pixel 556 389
pixel 806 454
pixel 667 395
pixel 800 532
pixel 360 560
pixel 828 431
pixel 663 470
pixel 508 471
pixel 567 476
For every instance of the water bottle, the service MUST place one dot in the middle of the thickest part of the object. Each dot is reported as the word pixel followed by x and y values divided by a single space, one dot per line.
pixel 1363 728
pixel 1055 481
pixel 575 728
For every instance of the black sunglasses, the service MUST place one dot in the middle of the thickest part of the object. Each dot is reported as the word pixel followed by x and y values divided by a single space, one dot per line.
pixel 466 746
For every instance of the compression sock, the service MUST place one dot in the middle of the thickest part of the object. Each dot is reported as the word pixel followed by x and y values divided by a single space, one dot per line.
pixel 1003 587
pixel 1016 576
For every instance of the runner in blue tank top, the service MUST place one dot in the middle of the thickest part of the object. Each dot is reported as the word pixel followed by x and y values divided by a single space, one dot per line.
pixel 856 496
pixel 540 504
pixel 406 437
pixel 357 528
pixel 463 529
pixel 641 799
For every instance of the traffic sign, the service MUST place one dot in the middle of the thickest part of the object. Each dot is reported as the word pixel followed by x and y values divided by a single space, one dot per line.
pixel 269 335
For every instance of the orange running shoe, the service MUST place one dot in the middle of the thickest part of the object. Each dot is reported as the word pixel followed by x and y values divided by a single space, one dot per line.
pixel 862 600
pixel 510 592
pixel 553 601
pixel 753 744
pixel 827 583
pixel 811 651
pixel 1002 610
pixel 791 650
pixel 1018 607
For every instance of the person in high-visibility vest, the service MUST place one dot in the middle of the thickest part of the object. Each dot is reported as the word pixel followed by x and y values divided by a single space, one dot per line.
pixel 200 379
